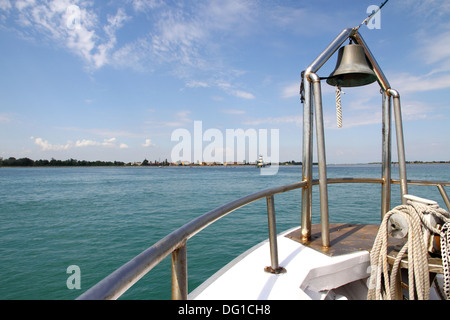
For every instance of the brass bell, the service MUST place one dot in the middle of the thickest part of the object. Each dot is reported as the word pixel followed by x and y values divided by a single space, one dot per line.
pixel 352 68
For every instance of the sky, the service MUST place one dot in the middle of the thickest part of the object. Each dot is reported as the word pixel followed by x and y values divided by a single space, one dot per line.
pixel 117 80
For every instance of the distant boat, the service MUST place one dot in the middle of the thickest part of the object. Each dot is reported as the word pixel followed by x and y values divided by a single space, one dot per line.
pixel 260 163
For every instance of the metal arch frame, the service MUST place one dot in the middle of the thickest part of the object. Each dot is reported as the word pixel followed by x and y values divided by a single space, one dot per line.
pixel 313 96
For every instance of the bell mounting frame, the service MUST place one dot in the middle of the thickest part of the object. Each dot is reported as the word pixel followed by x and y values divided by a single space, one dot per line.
pixel 312 108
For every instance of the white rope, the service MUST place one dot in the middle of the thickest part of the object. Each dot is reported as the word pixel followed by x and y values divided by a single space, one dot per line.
pixel 338 107
pixel 382 285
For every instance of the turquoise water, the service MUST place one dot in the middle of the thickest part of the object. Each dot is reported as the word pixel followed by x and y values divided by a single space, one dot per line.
pixel 99 218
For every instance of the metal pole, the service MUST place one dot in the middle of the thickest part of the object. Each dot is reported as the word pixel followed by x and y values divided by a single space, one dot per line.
pixel 308 127
pixel 274 267
pixel 382 80
pixel 307 162
pixel 329 51
pixel 179 273
pixel 400 143
pixel 386 156
pixel 322 161
pixel 444 196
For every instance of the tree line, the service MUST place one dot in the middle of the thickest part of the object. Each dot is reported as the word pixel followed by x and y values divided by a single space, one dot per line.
pixel 27 162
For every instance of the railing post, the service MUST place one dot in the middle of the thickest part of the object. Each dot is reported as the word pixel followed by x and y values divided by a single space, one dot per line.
pixel 400 144
pixel 307 160
pixel 444 196
pixel 274 267
pixel 386 156
pixel 179 273
pixel 321 157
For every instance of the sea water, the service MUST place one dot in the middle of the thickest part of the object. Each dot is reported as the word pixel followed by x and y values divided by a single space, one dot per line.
pixel 97 219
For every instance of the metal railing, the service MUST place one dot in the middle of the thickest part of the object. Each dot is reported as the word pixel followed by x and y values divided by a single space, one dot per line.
pixel 118 282
pixel 439 184
pixel 175 244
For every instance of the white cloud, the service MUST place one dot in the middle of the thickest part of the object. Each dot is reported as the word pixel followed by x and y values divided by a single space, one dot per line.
pixel 148 143
pixel 291 91
pixel 5 5
pixel 87 143
pixel 432 48
pixel 144 5
pixel 183 115
pixel 108 143
pixel 243 94
pixel 287 18
pixel 231 90
pixel 21 4
pixel 427 11
pixel 72 24
pixel 180 118
pixel 436 48
pixel 197 84
pixel 4 118
pixel 225 86
pixel 350 120
pixel 362 106
pixel 417 110
pixel 408 83
pixel 182 36
pixel 233 111
pixel 297 119
pixel 104 49
pixel 46 146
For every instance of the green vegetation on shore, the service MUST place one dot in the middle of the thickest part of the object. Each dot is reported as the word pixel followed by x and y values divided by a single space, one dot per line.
pixel 27 162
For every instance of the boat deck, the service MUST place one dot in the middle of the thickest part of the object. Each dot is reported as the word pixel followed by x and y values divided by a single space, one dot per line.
pixel 344 238
pixel 311 271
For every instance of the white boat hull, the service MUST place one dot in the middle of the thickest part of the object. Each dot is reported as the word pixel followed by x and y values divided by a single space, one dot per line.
pixel 309 274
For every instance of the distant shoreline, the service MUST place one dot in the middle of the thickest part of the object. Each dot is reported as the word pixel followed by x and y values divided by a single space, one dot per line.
pixel 26 162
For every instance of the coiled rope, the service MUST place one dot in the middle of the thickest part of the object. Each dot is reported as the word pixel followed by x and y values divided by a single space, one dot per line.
pixel 381 284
